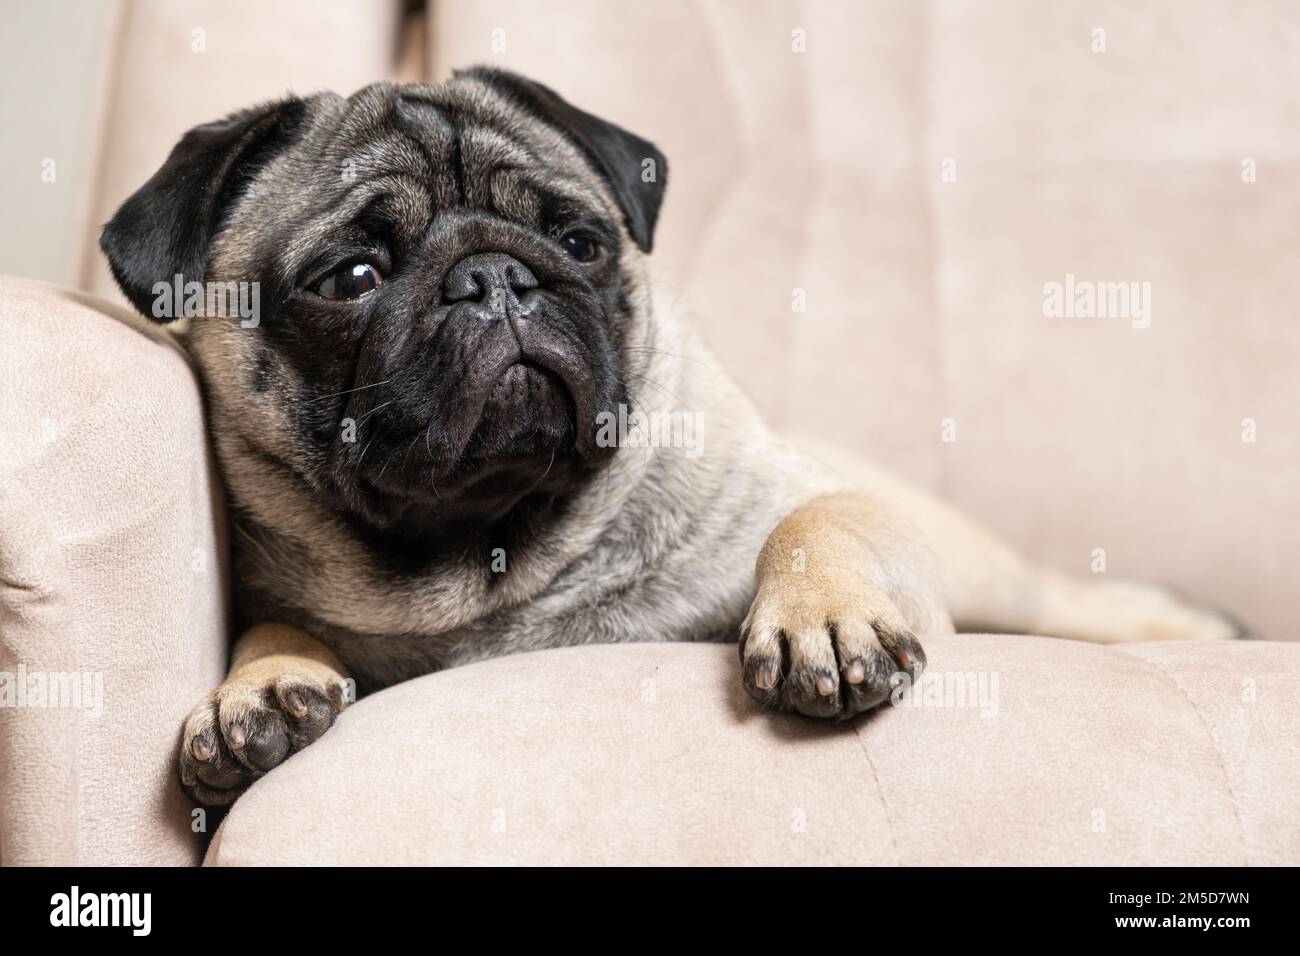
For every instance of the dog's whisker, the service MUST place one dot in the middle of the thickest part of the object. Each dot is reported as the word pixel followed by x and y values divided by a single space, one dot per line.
pixel 346 391
pixel 375 409
pixel 656 351
pixel 364 450
pixel 538 482
pixel 649 381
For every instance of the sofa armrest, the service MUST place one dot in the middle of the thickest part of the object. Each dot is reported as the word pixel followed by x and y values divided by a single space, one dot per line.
pixel 1011 751
pixel 113 610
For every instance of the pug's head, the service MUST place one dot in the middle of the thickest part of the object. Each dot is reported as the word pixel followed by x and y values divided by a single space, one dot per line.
pixel 447 279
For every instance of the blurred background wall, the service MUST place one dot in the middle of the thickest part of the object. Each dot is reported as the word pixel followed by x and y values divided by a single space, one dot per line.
pixel 866 202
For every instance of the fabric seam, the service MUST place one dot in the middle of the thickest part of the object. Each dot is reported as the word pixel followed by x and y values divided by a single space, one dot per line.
pixel 1214 744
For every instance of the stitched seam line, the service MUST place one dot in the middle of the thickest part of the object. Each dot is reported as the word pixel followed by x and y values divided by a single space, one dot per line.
pixel 1214 744
pixel 880 796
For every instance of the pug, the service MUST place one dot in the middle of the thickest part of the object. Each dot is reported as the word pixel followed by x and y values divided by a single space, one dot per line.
pixel 467 422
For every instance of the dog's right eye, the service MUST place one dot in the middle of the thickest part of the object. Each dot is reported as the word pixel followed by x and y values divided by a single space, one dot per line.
pixel 349 282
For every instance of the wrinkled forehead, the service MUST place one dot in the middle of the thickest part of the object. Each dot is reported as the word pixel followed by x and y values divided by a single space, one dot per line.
pixel 403 155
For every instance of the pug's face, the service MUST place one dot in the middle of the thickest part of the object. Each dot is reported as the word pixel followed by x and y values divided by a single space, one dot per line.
pixel 448 277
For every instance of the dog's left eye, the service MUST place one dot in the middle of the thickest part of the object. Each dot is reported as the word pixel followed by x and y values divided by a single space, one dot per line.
pixel 350 282
pixel 583 248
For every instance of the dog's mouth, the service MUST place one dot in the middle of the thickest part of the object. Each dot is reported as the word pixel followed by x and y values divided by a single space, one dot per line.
pixel 529 410
pixel 526 381
pixel 530 394
pixel 511 415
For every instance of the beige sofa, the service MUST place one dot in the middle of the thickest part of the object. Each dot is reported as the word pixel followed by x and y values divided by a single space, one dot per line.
pixel 824 177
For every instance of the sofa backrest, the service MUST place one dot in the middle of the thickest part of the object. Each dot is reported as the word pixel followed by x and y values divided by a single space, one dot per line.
pixel 872 210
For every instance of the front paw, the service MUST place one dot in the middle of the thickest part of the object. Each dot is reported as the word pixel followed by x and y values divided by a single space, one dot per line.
pixel 251 724
pixel 825 656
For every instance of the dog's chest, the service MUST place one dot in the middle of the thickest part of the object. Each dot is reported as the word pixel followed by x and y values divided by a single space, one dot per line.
pixel 655 607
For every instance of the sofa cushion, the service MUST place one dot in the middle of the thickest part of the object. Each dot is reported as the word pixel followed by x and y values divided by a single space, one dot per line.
pixel 1059 752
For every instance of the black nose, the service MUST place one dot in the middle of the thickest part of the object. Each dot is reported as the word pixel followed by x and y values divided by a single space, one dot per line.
pixel 492 279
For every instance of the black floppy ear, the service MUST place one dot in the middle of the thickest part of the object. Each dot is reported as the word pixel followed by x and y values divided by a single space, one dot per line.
pixel 168 224
pixel 635 170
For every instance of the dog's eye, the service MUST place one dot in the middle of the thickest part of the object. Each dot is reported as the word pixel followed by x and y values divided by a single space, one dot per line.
pixel 350 281
pixel 583 248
